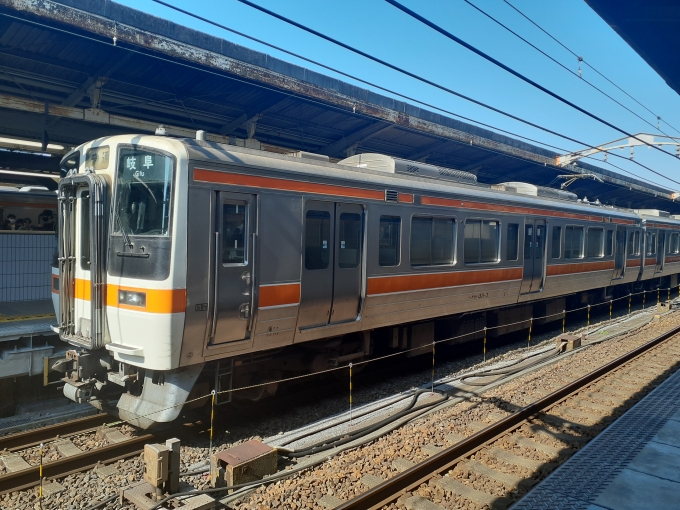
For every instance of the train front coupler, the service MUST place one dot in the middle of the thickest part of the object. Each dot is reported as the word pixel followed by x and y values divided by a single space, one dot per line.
pixel 85 374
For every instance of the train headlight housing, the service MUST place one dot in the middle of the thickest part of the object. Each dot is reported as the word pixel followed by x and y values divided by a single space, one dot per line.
pixel 126 297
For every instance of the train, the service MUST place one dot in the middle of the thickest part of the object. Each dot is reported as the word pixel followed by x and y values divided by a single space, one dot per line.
pixel 188 266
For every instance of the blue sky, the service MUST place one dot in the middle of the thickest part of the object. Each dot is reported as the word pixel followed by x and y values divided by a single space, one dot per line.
pixel 377 28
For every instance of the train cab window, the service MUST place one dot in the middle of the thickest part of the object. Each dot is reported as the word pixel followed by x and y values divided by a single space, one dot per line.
pixel 389 241
pixel 634 243
pixel 234 233
pixel 650 243
pixel 481 241
pixel 595 242
pixel 144 188
pixel 349 248
pixel 512 242
pixel 609 243
pixel 432 241
pixel 556 242
pixel 317 239
pixel 573 242
pixel 85 231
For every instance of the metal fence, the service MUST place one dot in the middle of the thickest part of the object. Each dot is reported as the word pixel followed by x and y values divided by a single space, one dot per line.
pixel 26 265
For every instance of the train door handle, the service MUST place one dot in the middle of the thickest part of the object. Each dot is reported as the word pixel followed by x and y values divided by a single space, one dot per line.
pixel 246 277
pixel 244 311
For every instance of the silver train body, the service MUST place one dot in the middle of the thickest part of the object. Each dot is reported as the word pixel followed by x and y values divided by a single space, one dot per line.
pixel 188 266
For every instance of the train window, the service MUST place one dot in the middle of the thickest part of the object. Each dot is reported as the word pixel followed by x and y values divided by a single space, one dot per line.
pixel 389 240
pixel 634 243
pixel 432 241
pixel 573 242
pixel 512 240
pixel 481 241
pixel 595 242
pixel 317 239
pixel 144 187
pixel 650 243
pixel 234 233
pixel 609 244
pixel 349 249
pixel 674 243
pixel 556 242
pixel 85 231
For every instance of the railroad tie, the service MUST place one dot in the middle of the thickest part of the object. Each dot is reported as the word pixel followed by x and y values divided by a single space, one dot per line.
pixel 540 447
pixel 329 501
pixel 112 436
pixel 371 481
pixel 402 464
pixel 420 503
pixel 13 462
pixel 586 404
pixel 454 438
pixel 66 448
pixel 511 458
pixel 476 426
pixel 570 439
pixel 581 415
pixel 430 449
pixel 510 481
pixel 494 502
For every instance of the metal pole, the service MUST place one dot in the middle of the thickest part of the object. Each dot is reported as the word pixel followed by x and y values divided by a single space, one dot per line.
pixel 350 394
pixel 564 319
pixel 485 344
pixel 644 298
pixel 611 304
pixel 658 296
pixel 531 323
pixel 630 299
pixel 212 425
pixel 433 367
pixel 588 325
pixel 40 492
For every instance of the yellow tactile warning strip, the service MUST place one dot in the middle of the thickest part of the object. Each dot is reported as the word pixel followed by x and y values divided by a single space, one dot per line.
pixel 15 318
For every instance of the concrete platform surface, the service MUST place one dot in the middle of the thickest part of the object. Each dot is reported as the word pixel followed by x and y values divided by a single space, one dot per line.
pixel 633 464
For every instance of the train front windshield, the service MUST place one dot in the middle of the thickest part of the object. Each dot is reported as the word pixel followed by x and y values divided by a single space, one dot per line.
pixel 144 186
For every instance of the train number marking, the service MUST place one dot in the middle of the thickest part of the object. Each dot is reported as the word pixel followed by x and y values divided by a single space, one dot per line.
pixel 201 307
pixel 480 295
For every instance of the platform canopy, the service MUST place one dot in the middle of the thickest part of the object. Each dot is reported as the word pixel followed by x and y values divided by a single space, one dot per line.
pixel 64 81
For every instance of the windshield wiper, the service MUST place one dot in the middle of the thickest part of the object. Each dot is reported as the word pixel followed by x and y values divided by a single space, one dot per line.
pixel 126 237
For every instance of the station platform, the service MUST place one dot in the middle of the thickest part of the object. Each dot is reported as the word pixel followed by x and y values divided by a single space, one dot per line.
pixel 633 464
pixel 26 318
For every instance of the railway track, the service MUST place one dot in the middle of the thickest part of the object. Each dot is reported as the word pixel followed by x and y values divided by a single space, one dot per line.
pixel 496 465
pixel 18 451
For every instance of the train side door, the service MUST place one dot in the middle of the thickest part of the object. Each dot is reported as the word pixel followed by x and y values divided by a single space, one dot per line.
pixel 331 263
pixel 233 266
pixel 348 255
pixel 534 255
pixel 620 253
pixel 660 251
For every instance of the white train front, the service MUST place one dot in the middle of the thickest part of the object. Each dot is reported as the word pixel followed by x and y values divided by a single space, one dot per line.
pixel 188 266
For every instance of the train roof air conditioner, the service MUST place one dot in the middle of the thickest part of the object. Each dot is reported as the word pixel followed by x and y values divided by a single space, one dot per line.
pixel 388 164
pixel 524 188
pixel 653 212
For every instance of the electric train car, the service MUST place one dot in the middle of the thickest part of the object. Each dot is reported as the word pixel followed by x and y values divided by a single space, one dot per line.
pixel 189 266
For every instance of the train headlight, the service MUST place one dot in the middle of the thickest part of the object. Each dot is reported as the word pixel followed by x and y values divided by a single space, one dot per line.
pixel 126 297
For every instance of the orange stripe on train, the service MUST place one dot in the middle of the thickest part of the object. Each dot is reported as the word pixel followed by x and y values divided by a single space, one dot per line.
pixel 278 295
pixel 405 283
pixel 581 267
pixel 255 181
pixel 157 300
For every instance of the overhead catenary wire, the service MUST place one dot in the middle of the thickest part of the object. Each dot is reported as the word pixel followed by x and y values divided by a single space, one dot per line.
pixel 313 101
pixel 447 89
pixel 517 74
pixel 581 59
pixel 570 71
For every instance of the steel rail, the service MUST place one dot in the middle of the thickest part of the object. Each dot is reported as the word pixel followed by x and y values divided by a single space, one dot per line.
pixel 30 477
pixel 389 490
pixel 41 435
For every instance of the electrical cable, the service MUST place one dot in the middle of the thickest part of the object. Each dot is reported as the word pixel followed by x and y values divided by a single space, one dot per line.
pixel 344 438
pixel 517 74
pixel 587 63
pixel 441 87
pixel 479 9
pixel 312 101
